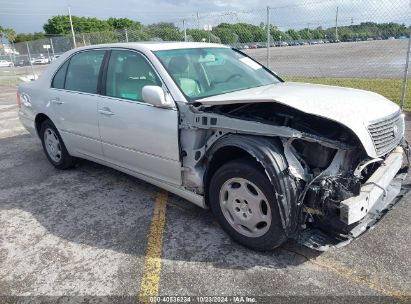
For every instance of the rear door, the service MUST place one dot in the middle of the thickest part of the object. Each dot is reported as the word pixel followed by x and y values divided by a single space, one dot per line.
pixel 136 135
pixel 73 100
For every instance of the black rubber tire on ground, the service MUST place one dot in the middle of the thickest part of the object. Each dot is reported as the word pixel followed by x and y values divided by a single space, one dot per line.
pixel 247 169
pixel 66 161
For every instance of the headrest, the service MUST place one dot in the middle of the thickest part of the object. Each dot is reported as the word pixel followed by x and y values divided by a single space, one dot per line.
pixel 178 64
pixel 136 66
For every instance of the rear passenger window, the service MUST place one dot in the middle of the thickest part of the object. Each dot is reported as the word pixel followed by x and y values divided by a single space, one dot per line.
pixel 128 72
pixel 83 71
pixel 58 80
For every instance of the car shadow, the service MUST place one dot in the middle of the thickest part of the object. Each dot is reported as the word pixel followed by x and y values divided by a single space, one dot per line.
pixel 100 207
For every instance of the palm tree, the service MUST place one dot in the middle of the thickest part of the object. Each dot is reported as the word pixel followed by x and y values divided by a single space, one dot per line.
pixel 1 37
pixel 11 37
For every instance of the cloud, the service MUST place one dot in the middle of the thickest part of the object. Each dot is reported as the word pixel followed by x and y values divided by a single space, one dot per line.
pixel 29 16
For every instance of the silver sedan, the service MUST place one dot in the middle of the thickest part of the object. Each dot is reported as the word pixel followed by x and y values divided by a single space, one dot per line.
pixel 273 160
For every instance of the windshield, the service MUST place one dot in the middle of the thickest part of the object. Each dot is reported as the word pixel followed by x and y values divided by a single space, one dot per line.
pixel 204 72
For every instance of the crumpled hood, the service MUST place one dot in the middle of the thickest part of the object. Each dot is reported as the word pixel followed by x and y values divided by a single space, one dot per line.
pixel 355 109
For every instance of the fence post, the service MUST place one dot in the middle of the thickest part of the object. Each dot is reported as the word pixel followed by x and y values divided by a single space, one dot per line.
pixel 72 29
pixel 268 37
pixel 185 30
pixel 31 63
pixel 52 48
pixel 125 32
pixel 404 82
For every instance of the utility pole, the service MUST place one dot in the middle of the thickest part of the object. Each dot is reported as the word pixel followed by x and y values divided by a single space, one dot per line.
pixel 125 32
pixel 52 48
pixel 31 63
pixel 405 80
pixel 72 29
pixel 336 25
pixel 198 20
pixel 268 37
pixel 185 30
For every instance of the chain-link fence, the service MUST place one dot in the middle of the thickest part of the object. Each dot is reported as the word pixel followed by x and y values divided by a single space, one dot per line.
pixel 360 44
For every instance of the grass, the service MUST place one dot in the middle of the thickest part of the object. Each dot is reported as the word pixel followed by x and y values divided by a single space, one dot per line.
pixel 390 88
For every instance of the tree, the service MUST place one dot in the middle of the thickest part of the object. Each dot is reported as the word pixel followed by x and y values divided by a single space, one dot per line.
pixel 29 37
pixel 316 34
pixel 294 35
pixel 123 23
pixel 225 35
pixel 165 31
pixel 305 34
pixel 197 35
pixel 137 35
pixel 1 38
pixel 10 35
pixel 278 35
pixel 60 25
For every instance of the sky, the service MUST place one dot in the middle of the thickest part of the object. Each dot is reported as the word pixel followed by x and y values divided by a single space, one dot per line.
pixel 30 15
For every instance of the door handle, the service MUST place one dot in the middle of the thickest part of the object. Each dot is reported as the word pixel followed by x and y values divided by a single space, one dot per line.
pixel 56 101
pixel 105 111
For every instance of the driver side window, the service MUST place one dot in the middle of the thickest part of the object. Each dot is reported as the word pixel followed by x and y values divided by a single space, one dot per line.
pixel 128 72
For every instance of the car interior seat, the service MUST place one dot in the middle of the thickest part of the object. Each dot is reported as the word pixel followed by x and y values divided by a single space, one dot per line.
pixel 178 67
pixel 82 78
pixel 136 73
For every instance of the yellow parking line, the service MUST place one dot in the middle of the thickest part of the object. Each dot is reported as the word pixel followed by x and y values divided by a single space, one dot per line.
pixel 152 264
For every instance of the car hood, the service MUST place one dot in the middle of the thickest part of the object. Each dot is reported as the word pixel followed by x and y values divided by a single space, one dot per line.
pixel 353 108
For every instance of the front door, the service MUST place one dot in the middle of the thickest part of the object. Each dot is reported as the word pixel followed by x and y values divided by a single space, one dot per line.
pixel 136 135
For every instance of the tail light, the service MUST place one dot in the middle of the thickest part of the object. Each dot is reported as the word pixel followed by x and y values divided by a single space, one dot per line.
pixel 18 100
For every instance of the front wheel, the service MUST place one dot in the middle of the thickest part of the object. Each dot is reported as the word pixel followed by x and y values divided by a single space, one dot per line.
pixel 54 147
pixel 244 202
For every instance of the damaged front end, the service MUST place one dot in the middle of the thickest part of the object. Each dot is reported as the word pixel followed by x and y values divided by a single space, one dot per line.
pixel 340 190
pixel 341 202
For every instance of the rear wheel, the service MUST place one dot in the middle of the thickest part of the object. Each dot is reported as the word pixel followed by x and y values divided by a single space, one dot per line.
pixel 244 202
pixel 54 147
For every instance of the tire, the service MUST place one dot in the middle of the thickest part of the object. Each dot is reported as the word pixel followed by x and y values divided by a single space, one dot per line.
pixel 54 147
pixel 237 215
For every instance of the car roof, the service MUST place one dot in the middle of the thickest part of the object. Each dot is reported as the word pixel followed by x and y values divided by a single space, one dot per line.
pixel 157 45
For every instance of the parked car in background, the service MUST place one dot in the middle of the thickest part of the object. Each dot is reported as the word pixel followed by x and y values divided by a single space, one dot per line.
pixel 21 61
pixel 272 159
pixel 281 44
pixel 6 63
pixel 54 57
pixel 40 60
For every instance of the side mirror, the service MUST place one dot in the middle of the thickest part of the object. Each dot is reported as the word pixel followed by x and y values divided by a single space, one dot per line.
pixel 156 96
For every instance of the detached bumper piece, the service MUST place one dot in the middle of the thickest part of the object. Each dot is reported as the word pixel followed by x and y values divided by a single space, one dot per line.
pixel 379 194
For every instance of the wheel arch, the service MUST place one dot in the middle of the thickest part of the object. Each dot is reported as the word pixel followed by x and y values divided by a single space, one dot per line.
pixel 38 121
pixel 267 154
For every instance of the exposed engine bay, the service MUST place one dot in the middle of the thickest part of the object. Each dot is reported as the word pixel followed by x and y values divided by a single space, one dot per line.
pixel 326 159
